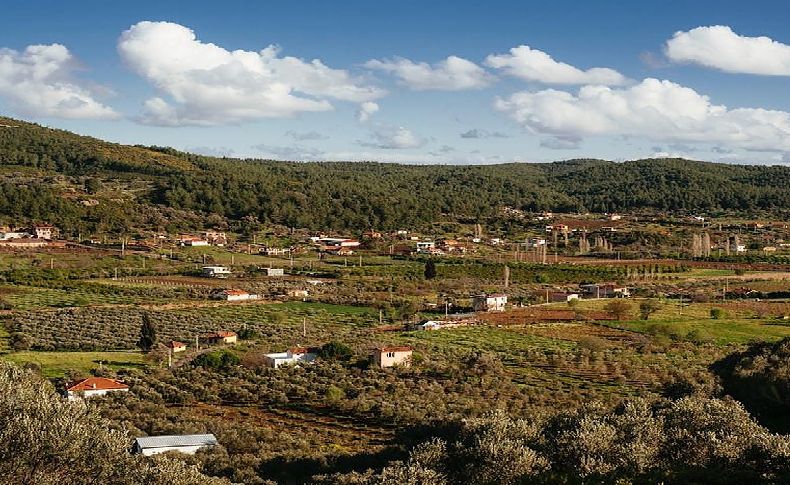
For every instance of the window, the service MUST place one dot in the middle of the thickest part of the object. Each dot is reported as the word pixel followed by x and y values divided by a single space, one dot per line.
pixel 390 354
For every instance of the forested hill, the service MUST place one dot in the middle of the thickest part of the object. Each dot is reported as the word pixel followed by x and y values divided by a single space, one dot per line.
pixel 360 195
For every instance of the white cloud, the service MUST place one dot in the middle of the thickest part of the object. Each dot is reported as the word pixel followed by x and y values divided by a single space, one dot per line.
pixel 534 65
pixel 451 74
pixel 366 110
pixel 392 137
pixel 208 84
pixel 293 152
pixel 653 109
pixel 305 136
pixel 38 82
pixel 476 133
pixel 721 48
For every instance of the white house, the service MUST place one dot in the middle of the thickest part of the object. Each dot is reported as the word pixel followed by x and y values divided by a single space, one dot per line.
pixel 237 295
pixel 94 386
pixel 275 272
pixel 391 356
pixel 188 443
pixel 294 355
pixel 43 231
pixel 425 246
pixel 216 272
pixel 489 303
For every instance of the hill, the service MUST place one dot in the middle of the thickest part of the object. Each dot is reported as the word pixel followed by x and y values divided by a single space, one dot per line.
pixel 176 187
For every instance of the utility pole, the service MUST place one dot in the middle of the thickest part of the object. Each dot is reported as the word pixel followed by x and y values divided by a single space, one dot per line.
pixel 169 358
pixel 381 316
pixel 304 327
pixel 197 343
pixel 51 263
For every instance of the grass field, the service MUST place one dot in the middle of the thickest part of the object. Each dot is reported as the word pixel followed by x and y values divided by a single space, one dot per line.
pixel 57 364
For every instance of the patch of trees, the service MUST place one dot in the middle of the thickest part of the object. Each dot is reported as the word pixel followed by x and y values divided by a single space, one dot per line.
pixel 760 378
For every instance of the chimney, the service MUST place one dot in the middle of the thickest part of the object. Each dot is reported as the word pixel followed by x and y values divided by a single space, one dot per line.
pixel 94 385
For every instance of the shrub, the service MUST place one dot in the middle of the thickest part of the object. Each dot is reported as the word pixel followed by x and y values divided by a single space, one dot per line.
pixel 718 313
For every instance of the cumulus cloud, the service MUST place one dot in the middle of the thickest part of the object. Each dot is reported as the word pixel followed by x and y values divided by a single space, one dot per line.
pixel 38 82
pixel 392 137
pixel 305 136
pixel 366 110
pixel 475 133
pixel 451 74
pixel 653 109
pixel 530 64
pixel 561 142
pixel 207 84
pixel 720 48
pixel 292 152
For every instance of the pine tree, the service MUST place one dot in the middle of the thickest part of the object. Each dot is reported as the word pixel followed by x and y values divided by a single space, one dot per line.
pixel 147 334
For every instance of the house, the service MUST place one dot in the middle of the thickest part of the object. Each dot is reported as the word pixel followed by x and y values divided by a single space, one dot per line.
pixel 176 346
pixel 425 246
pixel 192 241
pixel 563 296
pixel 221 337
pixel 8 235
pixel 495 241
pixel 605 290
pixel 43 231
pixel 275 272
pixel 391 356
pixel 274 251
pixel 216 272
pixel 94 386
pixel 342 242
pixel 489 303
pixel 296 293
pixel 215 238
pixel 189 444
pixel 237 295
pixel 25 242
pixel 535 242
pixel 294 355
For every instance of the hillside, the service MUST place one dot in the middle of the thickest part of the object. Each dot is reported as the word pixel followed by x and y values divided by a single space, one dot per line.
pixel 341 195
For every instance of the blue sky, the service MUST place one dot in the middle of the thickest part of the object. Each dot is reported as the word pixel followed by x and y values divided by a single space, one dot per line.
pixel 411 81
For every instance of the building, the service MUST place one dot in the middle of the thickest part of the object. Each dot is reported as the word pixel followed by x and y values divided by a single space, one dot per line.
pixel 275 272
pixel 221 337
pixel 188 443
pixel 192 241
pixel 563 296
pixel 215 238
pixel 425 247
pixel 43 231
pixel 274 251
pixel 495 302
pixel 8 235
pixel 216 272
pixel 94 386
pixel 237 295
pixel 391 356
pixel 296 355
pixel 605 290
pixel 535 242
pixel 176 346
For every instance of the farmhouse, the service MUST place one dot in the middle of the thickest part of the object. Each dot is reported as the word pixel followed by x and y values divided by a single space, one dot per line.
pixel 425 247
pixel 176 346
pixel 489 303
pixel 605 290
pixel 94 386
pixel 297 293
pixel 563 296
pixel 189 444
pixel 25 242
pixel 391 356
pixel 8 235
pixel 294 355
pixel 215 238
pixel 192 241
pixel 221 337
pixel 216 272
pixel 275 272
pixel 237 295
pixel 43 231
pixel 274 251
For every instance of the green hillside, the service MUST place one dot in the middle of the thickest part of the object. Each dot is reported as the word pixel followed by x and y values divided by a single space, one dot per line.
pixel 46 174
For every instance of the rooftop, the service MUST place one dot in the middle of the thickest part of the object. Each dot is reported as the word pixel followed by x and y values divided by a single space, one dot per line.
pixel 173 441
pixel 96 384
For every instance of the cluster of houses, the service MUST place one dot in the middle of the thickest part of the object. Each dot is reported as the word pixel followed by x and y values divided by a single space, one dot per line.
pixel 589 291
pixel 341 246
pixel 208 238
pixel 39 235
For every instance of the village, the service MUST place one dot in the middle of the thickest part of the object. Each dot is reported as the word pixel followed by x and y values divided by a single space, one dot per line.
pixel 570 301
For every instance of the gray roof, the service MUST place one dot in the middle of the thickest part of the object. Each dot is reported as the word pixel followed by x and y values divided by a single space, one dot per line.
pixel 173 441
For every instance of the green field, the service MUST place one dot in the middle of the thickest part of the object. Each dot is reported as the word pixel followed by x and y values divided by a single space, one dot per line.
pixel 57 364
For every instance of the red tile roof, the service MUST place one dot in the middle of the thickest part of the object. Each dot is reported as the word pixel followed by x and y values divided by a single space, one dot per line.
pixel 96 384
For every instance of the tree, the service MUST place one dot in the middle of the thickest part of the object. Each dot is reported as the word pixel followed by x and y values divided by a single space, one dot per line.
pixel 147 334
pixel 618 308
pixel 430 269
pixel 647 308
pixel 336 351
pixel 93 185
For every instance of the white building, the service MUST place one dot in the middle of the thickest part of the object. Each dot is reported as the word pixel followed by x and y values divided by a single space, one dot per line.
pixel 189 443
pixel 216 272
pixel 294 355
pixel 94 386
pixel 391 356
pixel 237 295
pixel 489 303
pixel 426 246
pixel 275 272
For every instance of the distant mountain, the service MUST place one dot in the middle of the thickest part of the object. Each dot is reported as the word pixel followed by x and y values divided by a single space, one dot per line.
pixel 172 187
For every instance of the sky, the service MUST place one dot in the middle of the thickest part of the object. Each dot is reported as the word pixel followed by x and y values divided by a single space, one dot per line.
pixel 451 82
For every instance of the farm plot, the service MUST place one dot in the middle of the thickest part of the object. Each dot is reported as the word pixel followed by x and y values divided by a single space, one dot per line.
pixel 59 364
pixel 118 328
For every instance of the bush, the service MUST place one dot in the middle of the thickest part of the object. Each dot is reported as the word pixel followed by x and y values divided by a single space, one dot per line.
pixel 217 360
pixel 718 313
pixel 336 351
